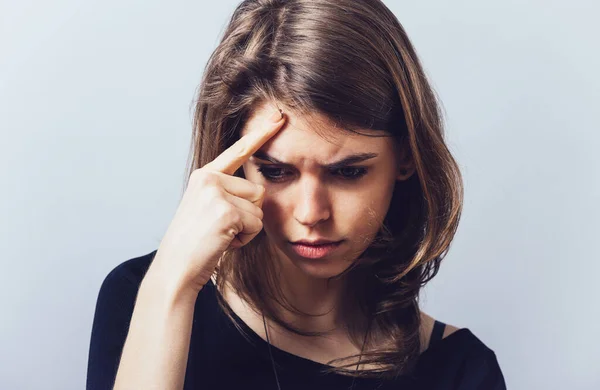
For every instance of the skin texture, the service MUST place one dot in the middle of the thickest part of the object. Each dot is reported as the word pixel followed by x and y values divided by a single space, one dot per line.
pixel 308 201
pixel 217 211
pixel 305 201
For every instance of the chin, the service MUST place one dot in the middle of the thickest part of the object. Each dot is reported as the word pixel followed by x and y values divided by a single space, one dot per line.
pixel 319 271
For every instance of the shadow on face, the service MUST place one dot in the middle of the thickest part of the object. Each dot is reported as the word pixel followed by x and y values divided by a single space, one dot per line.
pixel 322 182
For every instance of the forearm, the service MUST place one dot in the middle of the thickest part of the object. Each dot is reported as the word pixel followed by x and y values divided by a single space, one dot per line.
pixel 156 350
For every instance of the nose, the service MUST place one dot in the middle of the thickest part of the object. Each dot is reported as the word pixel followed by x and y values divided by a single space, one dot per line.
pixel 312 204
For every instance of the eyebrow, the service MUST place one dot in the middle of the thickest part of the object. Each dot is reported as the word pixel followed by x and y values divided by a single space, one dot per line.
pixel 352 159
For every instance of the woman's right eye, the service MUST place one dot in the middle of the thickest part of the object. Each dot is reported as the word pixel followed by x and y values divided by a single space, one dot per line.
pixel 272 174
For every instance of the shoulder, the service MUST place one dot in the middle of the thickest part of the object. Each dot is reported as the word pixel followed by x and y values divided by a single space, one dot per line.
pixel 427 323
pixel 125 278
pixel 132 270
pixel 114 307
pixel 119 289
pixel 121 284
pixel 461 359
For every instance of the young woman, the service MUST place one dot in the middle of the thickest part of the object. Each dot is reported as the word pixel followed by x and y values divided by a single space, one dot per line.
pixel 321 198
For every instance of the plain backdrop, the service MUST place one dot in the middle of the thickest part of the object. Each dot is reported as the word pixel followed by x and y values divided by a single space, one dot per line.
pixel 95 119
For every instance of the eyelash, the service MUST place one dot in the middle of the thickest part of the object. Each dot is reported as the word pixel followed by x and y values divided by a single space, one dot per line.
pixel 267 171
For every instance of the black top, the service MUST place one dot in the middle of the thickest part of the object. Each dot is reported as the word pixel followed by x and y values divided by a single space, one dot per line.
pixel 220 357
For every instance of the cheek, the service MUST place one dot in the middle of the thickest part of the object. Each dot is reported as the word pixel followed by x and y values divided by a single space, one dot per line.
pixel 365 214
pixel 274 215
pixel 362 219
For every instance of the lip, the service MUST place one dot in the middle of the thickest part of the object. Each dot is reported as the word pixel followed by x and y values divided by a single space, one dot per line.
pixel 320 241
pixel 314 251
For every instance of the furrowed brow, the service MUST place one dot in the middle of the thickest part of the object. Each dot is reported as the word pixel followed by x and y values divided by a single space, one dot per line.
pixel 352 159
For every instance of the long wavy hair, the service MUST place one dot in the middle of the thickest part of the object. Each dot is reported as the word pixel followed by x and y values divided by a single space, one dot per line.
pixel 351 61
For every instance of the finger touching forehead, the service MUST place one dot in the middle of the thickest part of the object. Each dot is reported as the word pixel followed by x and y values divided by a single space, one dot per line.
pixel 260 117
pixel 312 139
pixel 312 123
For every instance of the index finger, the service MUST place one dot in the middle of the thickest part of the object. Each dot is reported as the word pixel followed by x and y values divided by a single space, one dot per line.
pixel 237 154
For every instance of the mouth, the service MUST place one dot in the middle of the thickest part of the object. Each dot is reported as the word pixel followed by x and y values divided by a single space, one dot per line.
pixel 315 251
pixel 320 241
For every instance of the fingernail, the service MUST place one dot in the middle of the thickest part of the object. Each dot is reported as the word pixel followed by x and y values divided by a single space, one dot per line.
pixel 277 116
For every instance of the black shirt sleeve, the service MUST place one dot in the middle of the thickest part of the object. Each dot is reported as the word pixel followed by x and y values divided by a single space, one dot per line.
pixel 482 372
pixel 114 308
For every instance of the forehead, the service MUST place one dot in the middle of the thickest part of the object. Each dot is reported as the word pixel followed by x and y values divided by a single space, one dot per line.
pixel 314 137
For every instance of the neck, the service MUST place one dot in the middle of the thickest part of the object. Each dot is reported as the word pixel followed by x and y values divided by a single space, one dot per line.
pixel 320 299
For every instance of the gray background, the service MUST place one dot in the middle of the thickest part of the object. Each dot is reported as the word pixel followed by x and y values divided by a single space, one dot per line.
pixel 95 123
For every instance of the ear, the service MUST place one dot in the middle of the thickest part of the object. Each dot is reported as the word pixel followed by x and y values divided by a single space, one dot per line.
pixel 405 172
pixel 406 165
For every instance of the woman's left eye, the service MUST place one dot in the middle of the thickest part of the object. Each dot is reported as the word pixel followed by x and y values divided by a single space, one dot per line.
pixel 352 172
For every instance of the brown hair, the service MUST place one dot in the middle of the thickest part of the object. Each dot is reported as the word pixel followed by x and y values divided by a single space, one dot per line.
pixel 351 61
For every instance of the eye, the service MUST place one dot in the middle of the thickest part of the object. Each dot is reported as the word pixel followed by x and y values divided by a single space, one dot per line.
pixel 275 174
pixel 271 173
pixel 352 173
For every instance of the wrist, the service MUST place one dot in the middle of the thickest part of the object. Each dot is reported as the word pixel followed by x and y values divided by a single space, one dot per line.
pixel 161 284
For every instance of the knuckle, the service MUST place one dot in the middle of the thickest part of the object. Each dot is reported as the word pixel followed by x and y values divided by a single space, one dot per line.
pixel 223 209
pixel 228 214
pixel 260 213
pixel 212 192
pixel 244 149
pixel 255 227
pixel 197 175
pixel 235 218
pixel 204 177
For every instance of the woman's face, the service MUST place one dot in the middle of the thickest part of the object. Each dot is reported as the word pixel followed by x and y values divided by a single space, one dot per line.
pixel 308 198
